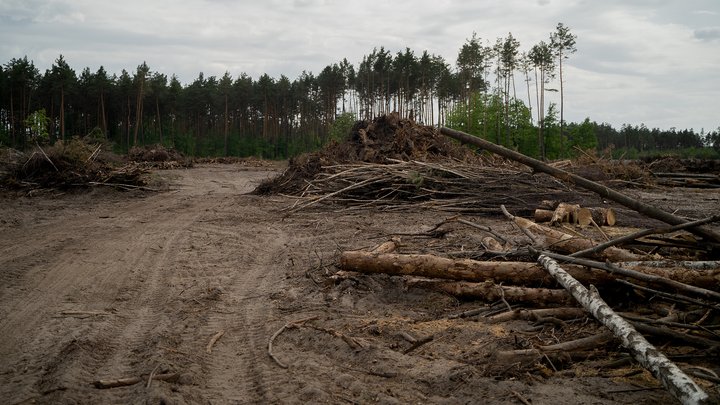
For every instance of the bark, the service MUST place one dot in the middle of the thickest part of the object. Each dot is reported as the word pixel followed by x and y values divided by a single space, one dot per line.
pixel 565 213
pixel 600 189
pixel 670 375
pixel 537 314
pixel 518 273
pixel 491 292
pixel 423 265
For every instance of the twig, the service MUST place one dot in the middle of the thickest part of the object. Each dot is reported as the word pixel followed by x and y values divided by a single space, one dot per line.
pixel 649 278
pixel 152 374
pixel 419 343
pixel 124 382
pixel 212 341
pixel 520 397
pixel 121 185
pixel 288 325
pixel 46 156
pixel 527 233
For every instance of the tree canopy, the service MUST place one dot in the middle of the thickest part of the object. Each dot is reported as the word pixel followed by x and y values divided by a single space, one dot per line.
pixel 281 117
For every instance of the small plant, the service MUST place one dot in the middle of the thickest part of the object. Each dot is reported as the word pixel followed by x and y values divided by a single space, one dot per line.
pixel 37 124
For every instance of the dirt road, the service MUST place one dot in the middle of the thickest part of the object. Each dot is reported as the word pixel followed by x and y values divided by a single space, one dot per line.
pixel 108 285
pixel 112 287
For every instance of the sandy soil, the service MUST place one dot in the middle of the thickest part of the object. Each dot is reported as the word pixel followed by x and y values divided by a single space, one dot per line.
pixel 107 285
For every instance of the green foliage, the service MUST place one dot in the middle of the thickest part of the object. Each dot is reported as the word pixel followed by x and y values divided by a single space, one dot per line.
pixel 485 117
pixel 37 124
pixel 342 126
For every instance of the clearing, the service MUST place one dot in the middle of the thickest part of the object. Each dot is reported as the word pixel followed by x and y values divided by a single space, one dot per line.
pixel 191 283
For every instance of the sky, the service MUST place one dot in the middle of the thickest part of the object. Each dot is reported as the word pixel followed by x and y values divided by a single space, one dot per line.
pixel 651 62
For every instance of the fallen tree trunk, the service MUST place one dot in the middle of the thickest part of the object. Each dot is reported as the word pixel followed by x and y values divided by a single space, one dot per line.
pixel 518 273
pixel 670 375
pixel 598 188
pixel 491 292
pixel 424 265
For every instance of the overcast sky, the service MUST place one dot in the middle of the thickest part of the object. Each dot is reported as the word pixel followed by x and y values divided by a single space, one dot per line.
pixel 655 62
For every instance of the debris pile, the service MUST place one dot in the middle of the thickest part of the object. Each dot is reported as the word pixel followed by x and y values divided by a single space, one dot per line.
pixel 159 157
pixel 647 288
pixel 70 164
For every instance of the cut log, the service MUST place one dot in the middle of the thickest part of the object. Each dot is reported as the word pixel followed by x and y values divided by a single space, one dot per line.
pixel 543 215
pixel 670 375
pixel 491 292
pixel 565 213
pixel 562 242
pixel 601 216
pixel 518 273
pixel 423 265
pixel 603 191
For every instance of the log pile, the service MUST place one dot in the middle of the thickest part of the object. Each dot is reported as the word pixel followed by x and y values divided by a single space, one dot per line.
pixel 641 288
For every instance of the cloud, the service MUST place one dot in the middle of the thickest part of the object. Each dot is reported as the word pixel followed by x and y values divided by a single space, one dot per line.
pixel 707 34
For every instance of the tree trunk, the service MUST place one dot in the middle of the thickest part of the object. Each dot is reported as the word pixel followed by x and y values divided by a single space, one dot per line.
pixel 491 292
pixel 600 189
pixel 62 113
pixel 518 273
pixel 159 118
pixel 672 378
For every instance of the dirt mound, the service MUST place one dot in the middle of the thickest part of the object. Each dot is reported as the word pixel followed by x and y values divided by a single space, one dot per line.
pixel 386 139
pixel 70 164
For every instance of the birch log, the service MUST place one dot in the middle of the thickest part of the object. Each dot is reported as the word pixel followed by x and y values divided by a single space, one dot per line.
pixel 672 378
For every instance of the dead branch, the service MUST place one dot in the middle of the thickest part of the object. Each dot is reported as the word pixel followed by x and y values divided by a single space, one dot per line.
pixel 656 276
pixel 212 341
pixel 586 343
pixel 639 234
pixel 124 382
pixel 535 314
pixel 672 378
pixel 293 324
pixel 489 291
pixel 600 189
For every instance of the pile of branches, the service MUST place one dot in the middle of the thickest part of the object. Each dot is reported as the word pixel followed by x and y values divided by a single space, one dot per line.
pixel 70 164
pixel 386 140
pixel 449 186
pixel 158 157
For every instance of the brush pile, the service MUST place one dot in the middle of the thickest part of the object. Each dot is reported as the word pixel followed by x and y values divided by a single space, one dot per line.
pixel 70 164
pixel 395 163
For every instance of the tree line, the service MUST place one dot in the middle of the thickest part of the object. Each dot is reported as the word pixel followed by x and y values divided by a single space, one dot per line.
pixel 494 90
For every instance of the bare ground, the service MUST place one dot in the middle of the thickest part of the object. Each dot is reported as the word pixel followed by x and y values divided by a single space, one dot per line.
pixel 107 285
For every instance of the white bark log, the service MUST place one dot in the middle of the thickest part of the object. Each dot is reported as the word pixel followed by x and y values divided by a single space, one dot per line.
pixel 672 378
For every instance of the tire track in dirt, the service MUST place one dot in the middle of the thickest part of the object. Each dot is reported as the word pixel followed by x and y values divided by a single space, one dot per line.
pixel 123 270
